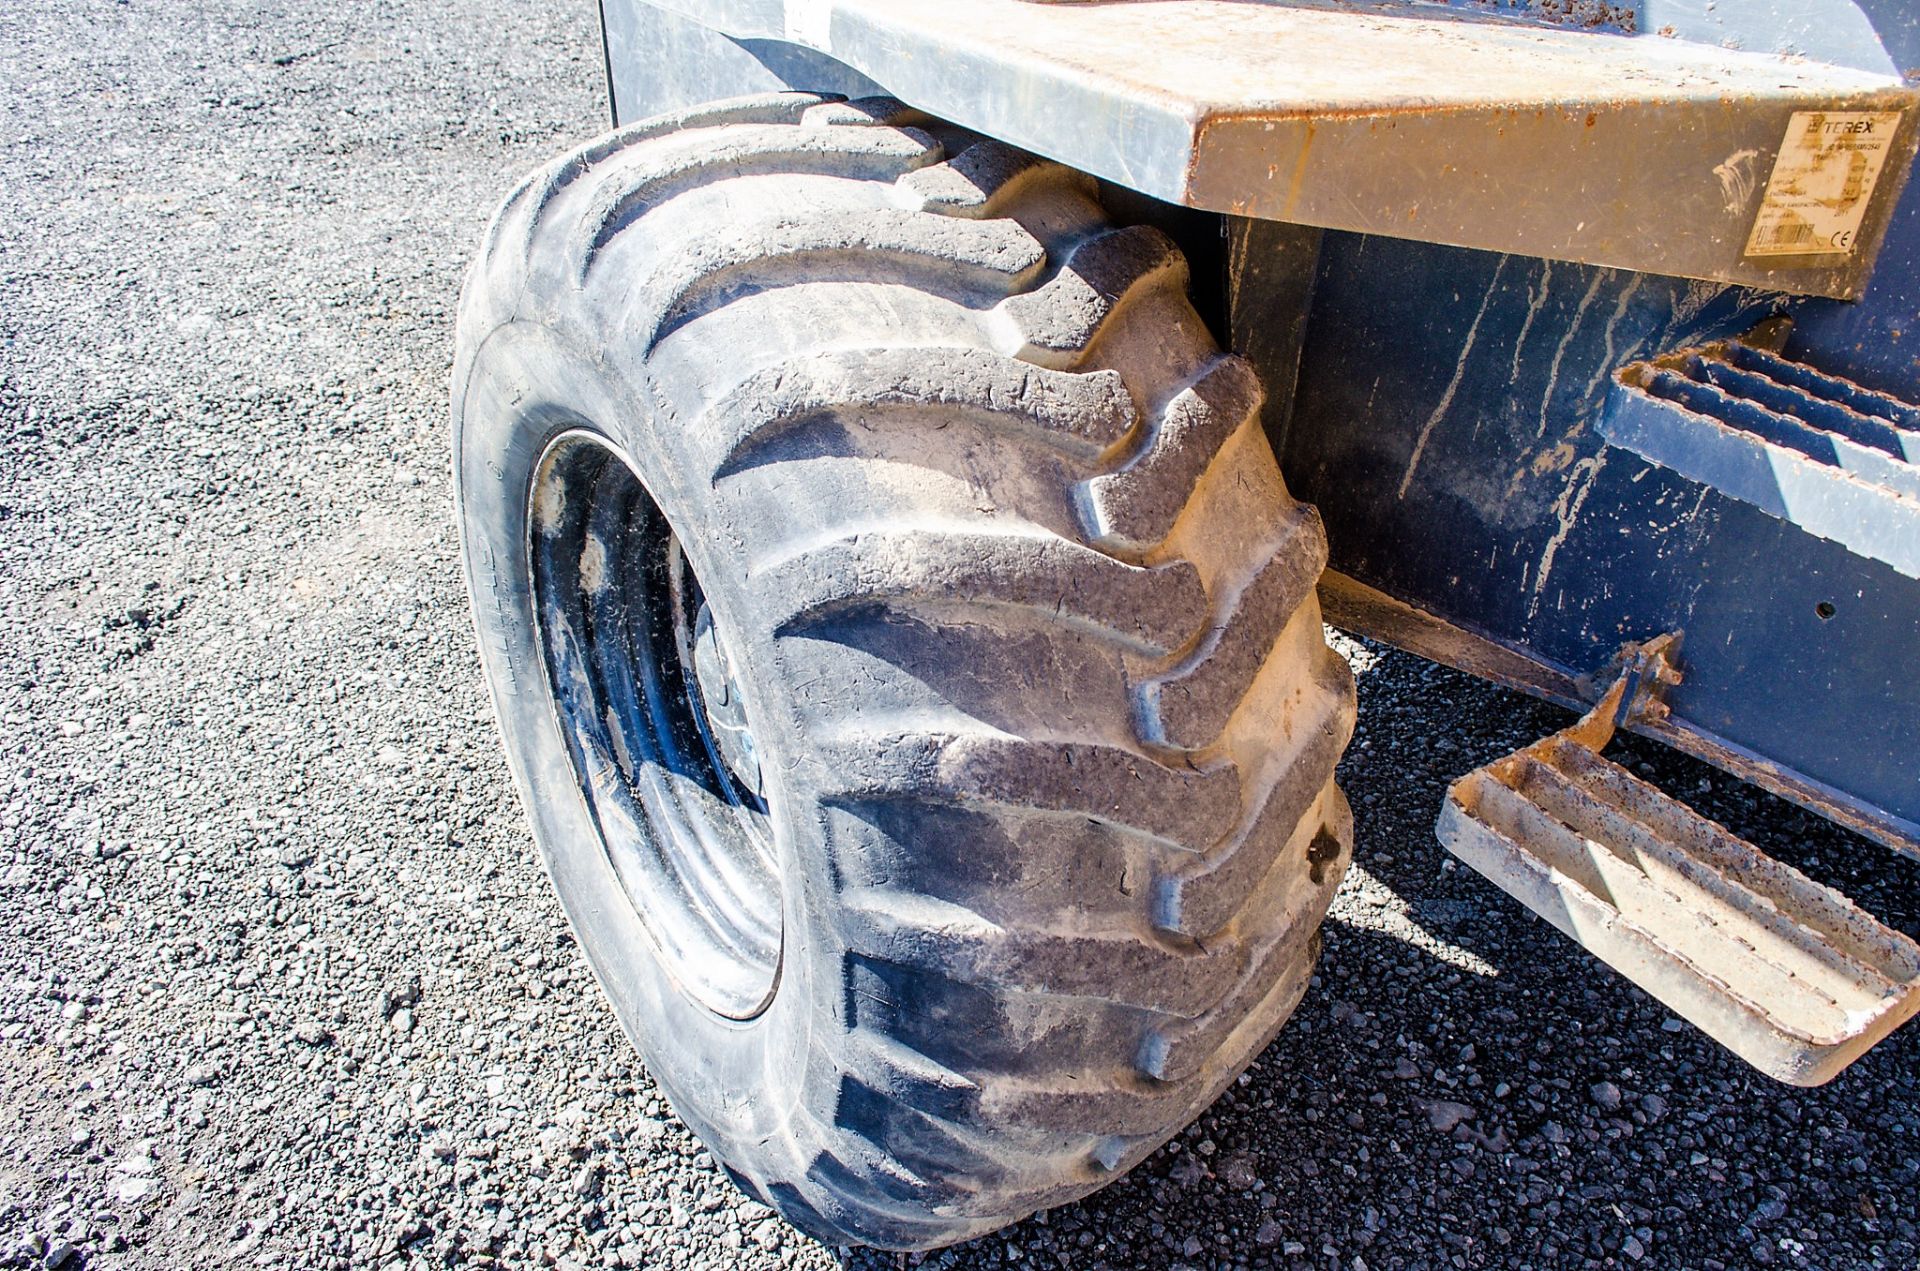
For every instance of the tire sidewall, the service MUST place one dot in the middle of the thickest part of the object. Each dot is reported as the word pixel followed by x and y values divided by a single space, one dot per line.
pixel 738 1084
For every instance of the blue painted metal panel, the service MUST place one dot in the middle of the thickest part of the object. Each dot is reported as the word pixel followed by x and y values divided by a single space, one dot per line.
pixel 1446 423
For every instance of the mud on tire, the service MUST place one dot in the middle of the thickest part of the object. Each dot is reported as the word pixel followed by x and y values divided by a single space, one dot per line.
pixel 1006 850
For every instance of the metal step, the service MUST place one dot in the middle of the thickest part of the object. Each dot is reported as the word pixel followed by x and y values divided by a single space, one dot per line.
pixel 1788 974
pixel 1840 461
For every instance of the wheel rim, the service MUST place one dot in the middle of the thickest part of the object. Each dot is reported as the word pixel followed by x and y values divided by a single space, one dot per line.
pixel 647 694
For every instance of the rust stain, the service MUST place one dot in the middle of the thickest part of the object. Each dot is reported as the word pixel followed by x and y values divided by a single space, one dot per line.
pixel 1299 174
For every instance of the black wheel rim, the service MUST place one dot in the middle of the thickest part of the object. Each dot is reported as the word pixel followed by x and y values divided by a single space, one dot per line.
pixel 647 695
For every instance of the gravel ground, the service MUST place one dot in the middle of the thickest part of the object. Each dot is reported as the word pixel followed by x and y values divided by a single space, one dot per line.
pixel 281 982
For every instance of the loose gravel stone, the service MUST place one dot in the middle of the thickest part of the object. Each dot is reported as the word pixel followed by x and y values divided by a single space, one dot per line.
pixel 1443 1115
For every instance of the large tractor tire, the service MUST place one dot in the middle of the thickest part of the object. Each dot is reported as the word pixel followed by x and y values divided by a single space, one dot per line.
pixel 905 647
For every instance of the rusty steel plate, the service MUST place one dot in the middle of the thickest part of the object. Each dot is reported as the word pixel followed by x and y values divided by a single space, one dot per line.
pixel 1636 151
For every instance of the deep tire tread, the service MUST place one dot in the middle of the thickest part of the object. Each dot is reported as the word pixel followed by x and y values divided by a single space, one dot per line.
pixel 641 181
pixel 970 947
pixel 1058 323
pixel 916 1150
pixel 531 199
pixel 1146 608
pixel 1189 706
pixel 1183 808
pixel 1199 897
pixel 978 181
pixel 1082 416
pixel 1131 509
pixel 993 256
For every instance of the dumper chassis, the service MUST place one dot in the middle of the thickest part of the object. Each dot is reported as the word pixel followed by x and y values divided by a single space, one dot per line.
pixel 869 457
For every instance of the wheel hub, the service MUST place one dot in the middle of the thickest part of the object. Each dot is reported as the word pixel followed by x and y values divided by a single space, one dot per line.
pixel 649 701
pixel 721 706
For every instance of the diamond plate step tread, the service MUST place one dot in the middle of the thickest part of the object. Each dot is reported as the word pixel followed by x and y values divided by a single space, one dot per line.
pixel 1838 460
pixel 1787 973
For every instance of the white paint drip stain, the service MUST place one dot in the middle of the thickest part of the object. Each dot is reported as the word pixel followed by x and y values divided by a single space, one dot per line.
pixel 1607 358
pixel 1536 300
pixel 1453 385
pixel 1560 350
pixel 1566 509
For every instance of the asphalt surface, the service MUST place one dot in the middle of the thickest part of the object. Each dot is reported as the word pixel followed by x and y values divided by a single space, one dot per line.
pixel 281 981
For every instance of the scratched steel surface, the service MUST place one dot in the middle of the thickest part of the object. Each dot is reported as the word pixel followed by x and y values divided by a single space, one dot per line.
pixel 1441 124
pixel 1445 425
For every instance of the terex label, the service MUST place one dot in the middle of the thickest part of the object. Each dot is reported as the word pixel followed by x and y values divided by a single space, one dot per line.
pixel 1822 182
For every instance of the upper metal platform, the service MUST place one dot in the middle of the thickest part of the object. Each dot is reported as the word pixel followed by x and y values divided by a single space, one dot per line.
pixel 1437 123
